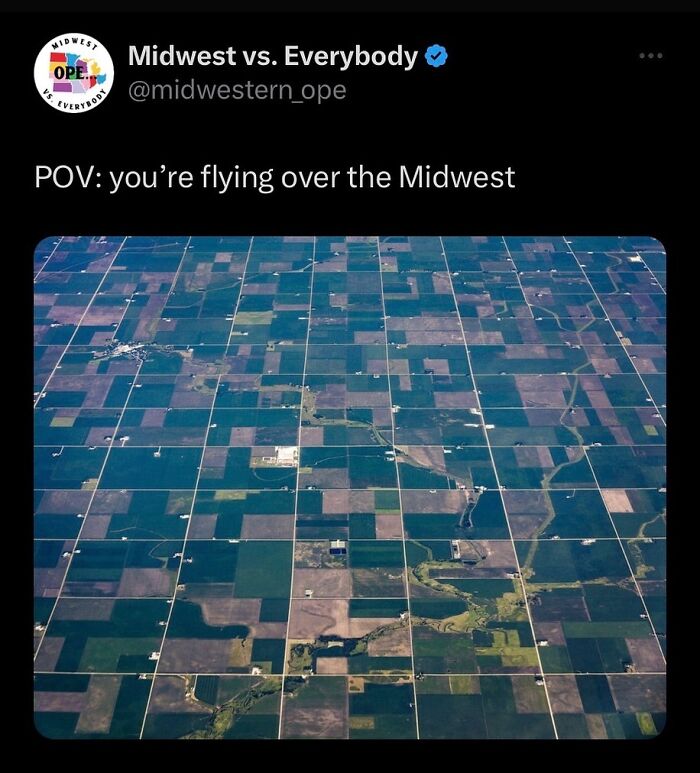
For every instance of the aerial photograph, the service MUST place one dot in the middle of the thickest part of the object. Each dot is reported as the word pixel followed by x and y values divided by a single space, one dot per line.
pixel 349 487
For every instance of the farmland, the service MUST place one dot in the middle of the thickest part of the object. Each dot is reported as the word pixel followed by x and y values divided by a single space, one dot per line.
pixel 349 487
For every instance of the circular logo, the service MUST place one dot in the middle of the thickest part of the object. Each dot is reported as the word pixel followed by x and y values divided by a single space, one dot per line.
pixel 74 73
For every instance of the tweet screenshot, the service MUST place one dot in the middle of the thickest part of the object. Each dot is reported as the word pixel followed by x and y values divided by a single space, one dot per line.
pixel 349 374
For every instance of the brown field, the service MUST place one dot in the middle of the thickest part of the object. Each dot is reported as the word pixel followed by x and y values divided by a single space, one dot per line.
pixel 96 526
pixel 415 501
pixel 326 478
pixel 416 437
pixel 425 323
pixel 433 337
pixel 146 329
pixel 241 653
pixel 169 696
pixel 356 684
pixel 361 626
pixel 241 383
pixel 268 526
pixel 518 502
pixel 153 417
pixel 96 388
pixel 499 559
pixel 325 583
pixel 347 501
pixel 646 365
pixel 441 367
pixel 426 456
pixel 64 502
pixel 102 695
pixel 311 618
pixel 313 722
pixel 455 399
pixel 216 457
pixel 639 693
pixel 103 316
pixel 564 695
pixel 138 581
pixel 396 368
pixel 49 653
pixel 316 555
pixel 311 436
pixel 396 642
pixel 337 501
pixel 332 666
pixel 545 382
pixel 48 581
pixel 156 436
pixel 202 527
pixel 646 654
pixel 596 726
pixel 388 526
pixel 608 365
pixel 242 436
pixel 598 399
pixel 543 399
pixel 616 500
pixel 205 656
pixel 368 400
pixel 381 417
pixel 552 631
pixel 60 701
pixel 526 526
pixel 526 512
pixel 271 362
pixel 530 698
pixel 478 336
pixel 190 398
pixel 424 592
pixel 229 611
pixel 533 456
pixel 269 630
pixel 84 609
pixel 386 583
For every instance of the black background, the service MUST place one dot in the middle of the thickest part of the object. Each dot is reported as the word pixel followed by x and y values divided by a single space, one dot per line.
pixel 600 139
pixel 594 132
